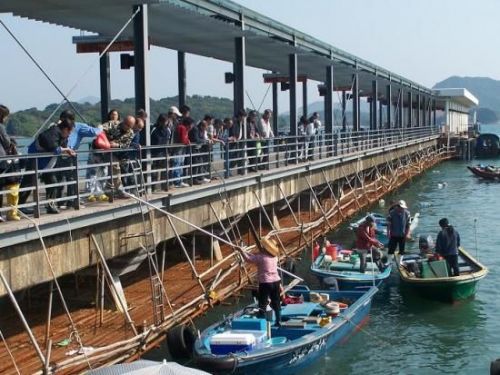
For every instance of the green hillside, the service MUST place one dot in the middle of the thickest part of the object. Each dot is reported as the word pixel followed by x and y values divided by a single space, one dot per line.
pixel 25 123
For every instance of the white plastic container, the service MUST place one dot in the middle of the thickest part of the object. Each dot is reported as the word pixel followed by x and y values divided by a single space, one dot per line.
pixel 231 342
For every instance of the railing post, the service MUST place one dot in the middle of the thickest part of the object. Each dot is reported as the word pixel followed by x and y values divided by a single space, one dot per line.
pixel 335 144
pixel 37 190
pixel 210 161
pixel 167 169
pixel 113 187
pixel 190 164
pixel 76 203
pixel 227 164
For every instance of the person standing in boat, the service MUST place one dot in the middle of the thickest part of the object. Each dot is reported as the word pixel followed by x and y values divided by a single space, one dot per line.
pixel 269 279
pixel 398 227
pixel 366 241
pixel 447 244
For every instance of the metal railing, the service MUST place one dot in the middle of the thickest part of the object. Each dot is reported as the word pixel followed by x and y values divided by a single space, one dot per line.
pixel 96 174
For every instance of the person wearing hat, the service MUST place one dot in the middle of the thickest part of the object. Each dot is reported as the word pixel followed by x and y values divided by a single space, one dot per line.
pixel 398 227
pixel 366 241
pixel 269 280
pixel 447 244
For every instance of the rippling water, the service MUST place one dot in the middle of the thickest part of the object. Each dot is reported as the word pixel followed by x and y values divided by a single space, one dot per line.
pixel 409 335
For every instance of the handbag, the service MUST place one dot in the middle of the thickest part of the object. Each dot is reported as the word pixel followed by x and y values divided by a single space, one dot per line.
pixel 101 141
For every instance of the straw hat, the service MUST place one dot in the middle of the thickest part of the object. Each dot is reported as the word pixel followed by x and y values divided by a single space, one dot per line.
pixel 270 247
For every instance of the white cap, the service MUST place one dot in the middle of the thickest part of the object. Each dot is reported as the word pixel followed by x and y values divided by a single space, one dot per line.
pixel 402 204
pixel 175 111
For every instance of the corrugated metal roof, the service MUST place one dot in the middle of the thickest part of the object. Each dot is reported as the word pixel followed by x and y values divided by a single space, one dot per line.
pixel 208 28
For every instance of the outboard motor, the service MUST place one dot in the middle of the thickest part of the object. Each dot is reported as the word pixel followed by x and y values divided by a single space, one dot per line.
pixel 425 244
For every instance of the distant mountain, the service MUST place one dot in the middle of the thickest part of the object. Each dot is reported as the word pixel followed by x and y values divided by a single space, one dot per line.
pixel 89 99
pixel 487 90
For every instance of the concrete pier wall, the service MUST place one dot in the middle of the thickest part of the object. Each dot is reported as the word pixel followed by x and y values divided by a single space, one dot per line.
pixel 67 239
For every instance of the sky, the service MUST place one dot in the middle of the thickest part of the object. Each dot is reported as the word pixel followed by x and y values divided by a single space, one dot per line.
pixel 425 41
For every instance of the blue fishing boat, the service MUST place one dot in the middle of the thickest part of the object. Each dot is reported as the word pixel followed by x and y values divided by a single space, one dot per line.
pixel 346 270
pixel 245 344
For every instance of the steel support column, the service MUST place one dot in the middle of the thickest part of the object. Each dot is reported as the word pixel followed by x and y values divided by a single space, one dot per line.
pixel 329 100
pixel 373 105
pixel 434 112
pixel 181 77
pixel 344 106
pixel 275 108
pixel 105 86
pixel 418 111
pixel 410 108
pixel 380 115
pixel 355 102
pixel 239 74
pixel 389 106
pixel 141 44
pixel 400 108
pixel 304 98
pixel 292 65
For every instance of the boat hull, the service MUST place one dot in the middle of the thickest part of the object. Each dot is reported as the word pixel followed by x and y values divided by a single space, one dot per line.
pixel 295 357
pixel 445 289
pixel 450 292
pixel 352 280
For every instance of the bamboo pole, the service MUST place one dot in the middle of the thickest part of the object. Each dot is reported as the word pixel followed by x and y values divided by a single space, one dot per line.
pixel 49 315
pixel 110 283
pixel 23 320
pixel 319 203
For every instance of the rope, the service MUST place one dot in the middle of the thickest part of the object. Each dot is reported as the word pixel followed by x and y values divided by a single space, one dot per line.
pixel 41 69
pixel 91 66
pixel 10 353
pixel 249 98
pixel 264 98
pixel 74 330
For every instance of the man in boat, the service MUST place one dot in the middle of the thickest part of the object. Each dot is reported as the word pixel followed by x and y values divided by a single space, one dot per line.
pixel 398 227
pixel 269 280
pixel 366 241
pixel 447 244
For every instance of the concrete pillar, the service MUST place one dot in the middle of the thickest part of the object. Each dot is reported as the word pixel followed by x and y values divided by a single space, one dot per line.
pixel 141 44
pixel 105 86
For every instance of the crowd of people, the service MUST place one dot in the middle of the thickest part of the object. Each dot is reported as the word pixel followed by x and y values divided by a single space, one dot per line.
pixel 182 152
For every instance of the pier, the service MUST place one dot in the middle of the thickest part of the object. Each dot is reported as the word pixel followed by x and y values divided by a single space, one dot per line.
pixel 117 275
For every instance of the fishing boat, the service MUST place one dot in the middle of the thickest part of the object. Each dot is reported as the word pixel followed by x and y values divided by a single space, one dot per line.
pixel 345 268
pixel 431 280
pixel 245 344
pixel 488 172
pixel 381 225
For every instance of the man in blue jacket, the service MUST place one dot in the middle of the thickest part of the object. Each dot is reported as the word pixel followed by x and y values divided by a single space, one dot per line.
pixel 447 244
pixel 80 131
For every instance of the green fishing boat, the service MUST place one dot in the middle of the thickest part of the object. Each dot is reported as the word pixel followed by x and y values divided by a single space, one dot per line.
pixel 431 280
